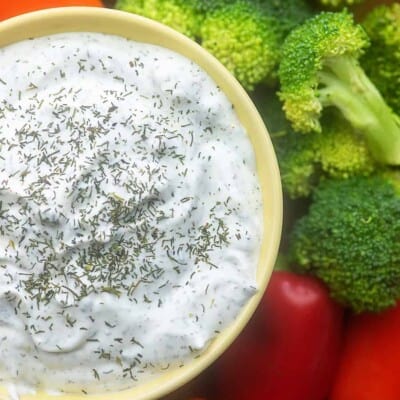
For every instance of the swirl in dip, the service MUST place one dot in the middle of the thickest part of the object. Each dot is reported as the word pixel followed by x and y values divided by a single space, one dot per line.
pixel 130 213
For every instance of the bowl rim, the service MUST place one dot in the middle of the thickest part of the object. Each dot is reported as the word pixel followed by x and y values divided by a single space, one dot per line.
pixel 134 27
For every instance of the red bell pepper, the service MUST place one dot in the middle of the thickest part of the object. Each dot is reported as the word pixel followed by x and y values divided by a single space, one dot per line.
pixel 289 350
pixel 369 368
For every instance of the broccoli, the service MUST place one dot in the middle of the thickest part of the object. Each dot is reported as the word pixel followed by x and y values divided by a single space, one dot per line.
pixel 320 68
pixel 244 39
pixel 382 59
pixel 246 35
pixel 338 151
pixel 342 152
pixel 181 15
pixel 304 160
pixel 350 238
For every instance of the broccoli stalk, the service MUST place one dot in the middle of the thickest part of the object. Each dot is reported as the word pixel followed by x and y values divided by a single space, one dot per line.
pixel 320 68
pixel 346 86
pixel 350 239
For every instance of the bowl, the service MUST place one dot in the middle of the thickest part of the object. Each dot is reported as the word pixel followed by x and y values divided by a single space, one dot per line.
pixel 87 19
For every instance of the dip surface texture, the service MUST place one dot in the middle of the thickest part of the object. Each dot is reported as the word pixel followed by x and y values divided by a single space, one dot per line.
pixel 130 213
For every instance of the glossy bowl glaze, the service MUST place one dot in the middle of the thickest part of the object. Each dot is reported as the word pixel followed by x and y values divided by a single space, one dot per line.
pixel 87 19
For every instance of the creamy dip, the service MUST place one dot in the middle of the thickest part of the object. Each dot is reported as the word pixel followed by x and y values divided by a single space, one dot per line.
pixel 130 213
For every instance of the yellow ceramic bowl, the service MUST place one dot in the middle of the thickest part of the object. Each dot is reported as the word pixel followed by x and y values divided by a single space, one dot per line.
pixel 86 19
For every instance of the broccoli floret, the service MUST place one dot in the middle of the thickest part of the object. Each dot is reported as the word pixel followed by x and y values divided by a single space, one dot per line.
pixel 350 239
pixel 181 15
pixel 244 39
pixel 246 35
pixel 342 152
pixel 337 152
pixel 320 68
pixel 381 60
pixel 304 160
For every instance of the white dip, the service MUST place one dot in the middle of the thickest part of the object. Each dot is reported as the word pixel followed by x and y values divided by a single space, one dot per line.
pixel 130 213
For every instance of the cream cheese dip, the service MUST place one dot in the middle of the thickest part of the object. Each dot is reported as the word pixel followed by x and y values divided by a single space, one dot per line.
pixel 130 213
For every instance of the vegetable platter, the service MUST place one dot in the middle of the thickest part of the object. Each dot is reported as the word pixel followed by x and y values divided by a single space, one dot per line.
pixel 324 75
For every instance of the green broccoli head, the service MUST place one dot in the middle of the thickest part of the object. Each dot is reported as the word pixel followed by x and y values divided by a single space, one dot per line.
pixel 341 151
pixel 244 39
pixel 181 15
pixel 350 239
pixel 304 160
pixel 306 52
pixel 320 69
pixel 382 59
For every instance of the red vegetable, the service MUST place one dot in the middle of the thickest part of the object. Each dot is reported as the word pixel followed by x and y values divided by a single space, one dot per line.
pixel 15 7
pixel 289 350
pixel 369 368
